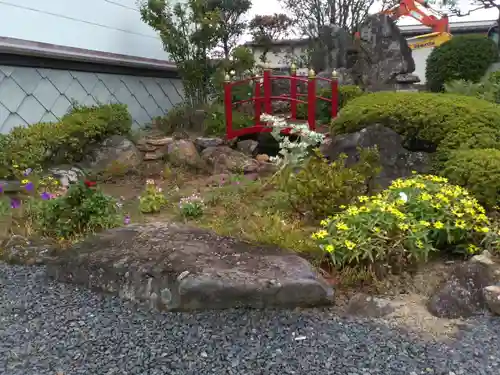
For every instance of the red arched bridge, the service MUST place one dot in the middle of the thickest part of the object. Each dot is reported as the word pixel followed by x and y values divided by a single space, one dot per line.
pixel 262 99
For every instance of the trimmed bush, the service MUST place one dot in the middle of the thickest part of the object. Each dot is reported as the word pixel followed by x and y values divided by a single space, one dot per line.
pixel 446 121
pixel 477 170
pixel 466 57
pixel 323 109
pixel 35 145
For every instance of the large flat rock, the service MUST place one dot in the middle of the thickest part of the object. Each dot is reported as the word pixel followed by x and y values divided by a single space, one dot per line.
pixel 176 267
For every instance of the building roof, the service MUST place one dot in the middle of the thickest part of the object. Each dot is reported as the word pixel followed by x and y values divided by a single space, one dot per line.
pixel 406 30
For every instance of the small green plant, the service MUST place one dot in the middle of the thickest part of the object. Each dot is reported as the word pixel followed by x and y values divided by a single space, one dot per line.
pixel 192 207
pixel 83 209
pixel 215 122
pixel 404 225
pixel 487 90
pixel 320 187
pixel 152 200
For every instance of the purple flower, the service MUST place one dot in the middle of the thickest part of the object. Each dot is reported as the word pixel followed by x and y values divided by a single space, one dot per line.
pixel 29 186
pixel 45 196
pixel 15 203
pixel 126 220
pixel 1 189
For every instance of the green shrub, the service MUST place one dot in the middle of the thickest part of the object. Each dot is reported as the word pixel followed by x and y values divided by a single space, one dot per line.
pixel 152 199
pixel 447 121
pixel 323 108
pixel 215 121
pixel 466 57
pixel 477 170
pixel 487 90
pixel 35 145
pixel 321 187
pixel 405 224
pixel 494 77
pixel 83 209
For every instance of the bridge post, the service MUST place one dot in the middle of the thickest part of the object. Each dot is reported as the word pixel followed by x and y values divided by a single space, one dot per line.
pixel 267 91
pixel 257 101
pixel 293 91
pixel 335 93
pixel 311 100
pixel 228 106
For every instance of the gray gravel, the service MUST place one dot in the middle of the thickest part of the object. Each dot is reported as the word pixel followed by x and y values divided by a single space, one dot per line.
pixel 47 327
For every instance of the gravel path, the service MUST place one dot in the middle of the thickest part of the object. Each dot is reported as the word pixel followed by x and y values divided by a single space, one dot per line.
pixel 48 327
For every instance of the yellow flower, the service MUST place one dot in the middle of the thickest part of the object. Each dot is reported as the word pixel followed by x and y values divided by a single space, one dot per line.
pixel 424 223
pixel 420 185
pixel 342 207
pixel 24 182
pixel 50 178
pixel 319 235
pixel 341 226
pixel 460 224
pixel 482 229
pixel 349 244
pixel 403 226
pixel 472 249
pixel 438 225
pixel 436 205
pixel 425 197
pixel 324 223
pixel 15 166
pixel 376 230
pixel 419 244
pixel 363 199
pixel 329 248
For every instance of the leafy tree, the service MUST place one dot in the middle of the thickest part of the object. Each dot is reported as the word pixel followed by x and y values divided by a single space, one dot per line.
pixel 267 29
pixel 231 25
pixel 189 31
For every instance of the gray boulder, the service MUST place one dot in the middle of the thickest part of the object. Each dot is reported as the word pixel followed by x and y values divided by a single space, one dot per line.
pixel 113 151
pixel 395 160
pixel 462 295
pixel 176 267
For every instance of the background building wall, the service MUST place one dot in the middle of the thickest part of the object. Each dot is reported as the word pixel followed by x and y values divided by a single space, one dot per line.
pixel 102 25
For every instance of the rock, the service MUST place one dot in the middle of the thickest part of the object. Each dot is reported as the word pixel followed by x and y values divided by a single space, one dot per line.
pixel 368 306
pixel 224 159
pixel 262 158
pixel 493 263
pixel 461 295
pixel 183 152
pixel 176 267
pixel 395 160
pixel 67 174
pixel 155 155
pixel 11 186
pixel 20 250
pixel 330 50
pixel 163 141
pixel 202 143
pixel 492 296
pixel 248 146
pixel 116 150
pixel 385 52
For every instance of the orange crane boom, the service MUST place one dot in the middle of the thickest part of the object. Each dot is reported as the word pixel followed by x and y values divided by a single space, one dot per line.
pixel 438 23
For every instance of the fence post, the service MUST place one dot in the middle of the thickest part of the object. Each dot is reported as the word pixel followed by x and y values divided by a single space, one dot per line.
pixel 228 106
pixel 311 100
pixel 335 93
pixel 257 103
pixel 293 91
pixel 267 91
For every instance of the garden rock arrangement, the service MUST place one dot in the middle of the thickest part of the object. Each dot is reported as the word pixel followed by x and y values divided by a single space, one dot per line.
pixel 175 267
pixel 471 288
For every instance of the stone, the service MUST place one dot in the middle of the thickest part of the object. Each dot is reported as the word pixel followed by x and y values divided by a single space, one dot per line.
pixel 224 159
pixel 330 50
pixel 183 152
pixel 115 150
pixel 461 296
pixel 20 250
pixel 369 306
pixel 202 143
pixel 67 174
pixel 492 296
pixel 384 52
pixel 171 266
pixel 395 160
pixel 155 155
pixel 248 146
pixel 492 262
pixel 262 158
pixel 159 141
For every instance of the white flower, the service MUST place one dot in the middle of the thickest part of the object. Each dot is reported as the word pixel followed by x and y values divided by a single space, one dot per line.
pixel 403 197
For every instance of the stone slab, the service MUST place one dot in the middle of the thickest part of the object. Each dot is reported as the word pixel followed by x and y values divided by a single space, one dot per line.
pixel 176 267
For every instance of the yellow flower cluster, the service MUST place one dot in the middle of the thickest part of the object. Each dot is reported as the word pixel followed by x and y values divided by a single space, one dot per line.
pixel 416 207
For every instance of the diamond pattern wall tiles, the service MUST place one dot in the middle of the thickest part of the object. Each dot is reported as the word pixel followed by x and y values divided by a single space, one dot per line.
pixel 30 95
